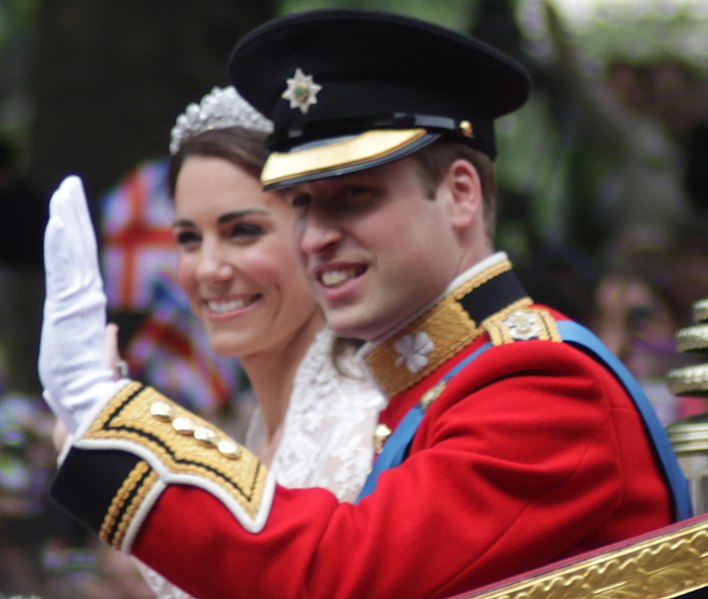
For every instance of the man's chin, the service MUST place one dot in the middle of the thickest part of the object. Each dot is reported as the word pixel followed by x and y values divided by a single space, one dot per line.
pixel 354 326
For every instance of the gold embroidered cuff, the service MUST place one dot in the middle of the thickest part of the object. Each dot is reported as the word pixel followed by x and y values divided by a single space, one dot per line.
pixel 142 442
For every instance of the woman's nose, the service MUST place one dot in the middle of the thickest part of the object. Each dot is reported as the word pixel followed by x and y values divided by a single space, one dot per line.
pixel 214 264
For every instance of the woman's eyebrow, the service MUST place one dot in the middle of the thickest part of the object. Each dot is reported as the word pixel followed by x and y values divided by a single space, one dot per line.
pixel 229 216
pixel 224 218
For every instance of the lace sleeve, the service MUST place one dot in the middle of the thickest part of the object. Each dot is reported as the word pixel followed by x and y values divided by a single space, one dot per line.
pixel 327 438
pixel 162 588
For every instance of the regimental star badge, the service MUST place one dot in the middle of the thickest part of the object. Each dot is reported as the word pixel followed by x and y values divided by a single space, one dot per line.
pixel 302 91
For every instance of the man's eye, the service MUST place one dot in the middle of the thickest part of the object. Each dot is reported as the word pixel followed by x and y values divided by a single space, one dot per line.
pixel 300 200
pixel 355 190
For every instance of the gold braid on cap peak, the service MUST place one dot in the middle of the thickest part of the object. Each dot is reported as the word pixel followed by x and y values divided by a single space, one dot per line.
pixel 222 107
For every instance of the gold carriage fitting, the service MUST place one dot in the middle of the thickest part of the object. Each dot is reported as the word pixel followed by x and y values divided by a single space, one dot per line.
pixel 689 436
pixel 670 562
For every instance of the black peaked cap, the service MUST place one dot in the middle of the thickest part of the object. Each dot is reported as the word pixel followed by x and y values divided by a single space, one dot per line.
pixel 375 70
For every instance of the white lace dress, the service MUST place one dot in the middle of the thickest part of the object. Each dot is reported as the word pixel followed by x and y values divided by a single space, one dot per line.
pixel 327 436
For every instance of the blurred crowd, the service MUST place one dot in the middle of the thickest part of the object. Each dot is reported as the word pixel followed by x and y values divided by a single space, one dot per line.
pixel 603 204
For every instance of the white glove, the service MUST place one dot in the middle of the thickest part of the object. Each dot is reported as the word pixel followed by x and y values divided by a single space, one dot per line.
pixel 72 355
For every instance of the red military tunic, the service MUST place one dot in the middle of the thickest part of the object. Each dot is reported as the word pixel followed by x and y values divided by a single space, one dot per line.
pixel 532 453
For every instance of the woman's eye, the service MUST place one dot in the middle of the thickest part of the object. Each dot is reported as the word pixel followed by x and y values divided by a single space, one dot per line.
pixel 185 238
pixel 246 230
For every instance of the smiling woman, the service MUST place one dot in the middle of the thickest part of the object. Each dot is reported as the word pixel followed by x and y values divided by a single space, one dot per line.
pixel 237 265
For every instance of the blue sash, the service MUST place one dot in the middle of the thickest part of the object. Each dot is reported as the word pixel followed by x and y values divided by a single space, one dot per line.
pixel 397 445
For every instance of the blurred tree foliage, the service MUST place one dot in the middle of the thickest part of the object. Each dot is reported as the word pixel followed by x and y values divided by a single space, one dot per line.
pixel 107 79
pixel 17 19
pixel 94 85
pixel 631 30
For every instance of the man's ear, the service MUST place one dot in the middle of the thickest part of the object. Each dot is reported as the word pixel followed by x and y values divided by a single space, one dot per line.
pixel 465 192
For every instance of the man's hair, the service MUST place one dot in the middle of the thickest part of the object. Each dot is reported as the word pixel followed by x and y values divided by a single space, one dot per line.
pixel 435 159
pixel 243 147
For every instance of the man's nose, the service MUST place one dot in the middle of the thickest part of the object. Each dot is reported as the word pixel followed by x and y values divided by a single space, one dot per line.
pixel 317 233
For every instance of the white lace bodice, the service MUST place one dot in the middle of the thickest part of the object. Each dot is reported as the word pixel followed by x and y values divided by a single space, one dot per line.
pixel 327 435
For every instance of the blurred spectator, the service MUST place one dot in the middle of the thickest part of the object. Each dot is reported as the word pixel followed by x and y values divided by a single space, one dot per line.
pixel 688 274
pixel 28 522
pixel 564 277
pixel 673 87
pixel 696 173
pixel 98 572
pixel 679 97
pixel 644 191
pixel 638 309
pixel 26 456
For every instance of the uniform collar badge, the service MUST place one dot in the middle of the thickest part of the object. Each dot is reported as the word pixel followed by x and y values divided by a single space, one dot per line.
pixel 302 91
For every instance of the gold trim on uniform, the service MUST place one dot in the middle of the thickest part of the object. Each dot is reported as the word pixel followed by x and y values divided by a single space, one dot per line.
pixel 432 394
pixel 132 508
pixel 125 503
pixel 483 277
pixel 449 329
pixel 132 416
pixel 381 435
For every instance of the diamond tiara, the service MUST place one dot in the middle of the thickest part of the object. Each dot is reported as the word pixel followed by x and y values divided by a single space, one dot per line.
pixel 220 108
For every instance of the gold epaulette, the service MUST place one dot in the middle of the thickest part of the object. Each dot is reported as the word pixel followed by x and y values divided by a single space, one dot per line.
pixel 522 324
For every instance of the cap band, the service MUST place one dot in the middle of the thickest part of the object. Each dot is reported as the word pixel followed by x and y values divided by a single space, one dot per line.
pixel 323 128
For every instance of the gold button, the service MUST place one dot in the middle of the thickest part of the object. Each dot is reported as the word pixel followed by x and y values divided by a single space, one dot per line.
pixel 183 425
pixel 162 411
pixel 205 436
pixel 381 435
pixel 432 394
pixel 229 449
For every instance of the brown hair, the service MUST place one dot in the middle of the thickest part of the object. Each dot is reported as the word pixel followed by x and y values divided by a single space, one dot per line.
pixel 240 146
pixel 435 159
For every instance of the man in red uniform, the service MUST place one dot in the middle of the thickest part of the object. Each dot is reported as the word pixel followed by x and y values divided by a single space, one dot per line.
pixel 510 438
